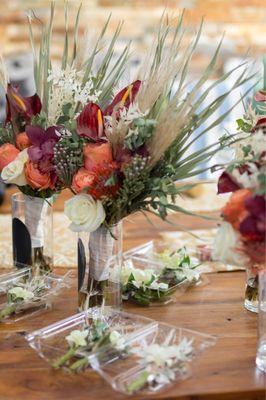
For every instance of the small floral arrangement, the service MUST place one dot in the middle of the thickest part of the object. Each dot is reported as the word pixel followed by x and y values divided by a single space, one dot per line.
pixel 161 364
pixel 89 339
pixel 24 296
pixel 145 286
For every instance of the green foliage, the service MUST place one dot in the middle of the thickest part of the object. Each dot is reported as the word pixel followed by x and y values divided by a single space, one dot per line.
pixel 141 130
pixel 262 184
pixel 6 134
pixel 40 120
pixel 43 194
pixel 243 125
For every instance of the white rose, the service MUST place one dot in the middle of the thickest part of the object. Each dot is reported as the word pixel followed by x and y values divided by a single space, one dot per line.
pixel 85 214
pixel 14 171
pixel 226 244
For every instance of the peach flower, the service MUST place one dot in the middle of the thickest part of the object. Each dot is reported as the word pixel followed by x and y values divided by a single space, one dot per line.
pixel 22 141
pixel 234 211
pixel 35 178
pixel 82 180
pixel 8 153
pixel 97 154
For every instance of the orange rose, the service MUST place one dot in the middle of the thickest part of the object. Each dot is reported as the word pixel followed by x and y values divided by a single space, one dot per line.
pixel 82 180
pixel 8 153
pixel 35 178
pixel 97 154
pixel 234 211
pixel 22 141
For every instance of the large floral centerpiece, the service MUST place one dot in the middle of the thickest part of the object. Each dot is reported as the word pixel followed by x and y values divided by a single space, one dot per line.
pixel 242 235
pixel 39 150
pixel 134 147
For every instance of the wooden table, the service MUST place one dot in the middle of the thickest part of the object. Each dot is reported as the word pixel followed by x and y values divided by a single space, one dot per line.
pixel 225 372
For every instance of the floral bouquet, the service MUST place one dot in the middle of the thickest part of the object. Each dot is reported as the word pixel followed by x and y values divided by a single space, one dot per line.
pixel 243 232
pixel 39 147
pixel 133 148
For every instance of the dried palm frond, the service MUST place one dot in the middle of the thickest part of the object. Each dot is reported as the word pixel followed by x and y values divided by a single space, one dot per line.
pixel 179 113
pixel 3 73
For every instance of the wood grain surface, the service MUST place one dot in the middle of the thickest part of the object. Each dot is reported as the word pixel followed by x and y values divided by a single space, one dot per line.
pixel 224 372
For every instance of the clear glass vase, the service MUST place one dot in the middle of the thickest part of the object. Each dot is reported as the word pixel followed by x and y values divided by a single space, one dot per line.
pixel 32 233
pixel 252 286
pixel 261 344
pixel 99 267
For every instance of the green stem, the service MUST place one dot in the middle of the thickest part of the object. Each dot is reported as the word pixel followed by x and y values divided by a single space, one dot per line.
pixel 83 362
pixel 138 383
pixel 62 360
pixel 8 310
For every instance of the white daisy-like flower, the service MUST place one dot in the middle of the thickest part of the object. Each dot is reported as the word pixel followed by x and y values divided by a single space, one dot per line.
pixel 77 338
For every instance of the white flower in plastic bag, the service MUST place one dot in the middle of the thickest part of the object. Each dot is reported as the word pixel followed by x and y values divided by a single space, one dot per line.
pixel 20 293
pixel 140 275
pixel 85 214
pixel 77 338
pixel 14 171
pixel 117 340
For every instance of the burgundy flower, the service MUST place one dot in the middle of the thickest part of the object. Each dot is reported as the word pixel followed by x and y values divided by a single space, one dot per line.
pixel 42 149
pixel 255 250
pixel 90 122
pixel 19 106
pixel 227 184
pixel 126 96
pixel 253 227
pixel 261 124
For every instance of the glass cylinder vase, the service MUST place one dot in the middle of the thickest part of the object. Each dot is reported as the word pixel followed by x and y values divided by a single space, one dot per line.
pixel 261 344
pixel 252 287
pixel 99 267
pixel 32 233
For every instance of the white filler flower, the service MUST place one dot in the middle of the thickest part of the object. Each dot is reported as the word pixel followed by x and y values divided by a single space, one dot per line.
pixel 77 338
pixel 14 171
pixel 20 293
pixel 85 214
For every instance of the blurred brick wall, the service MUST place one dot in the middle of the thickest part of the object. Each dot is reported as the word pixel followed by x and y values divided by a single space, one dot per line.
pixel 243 20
